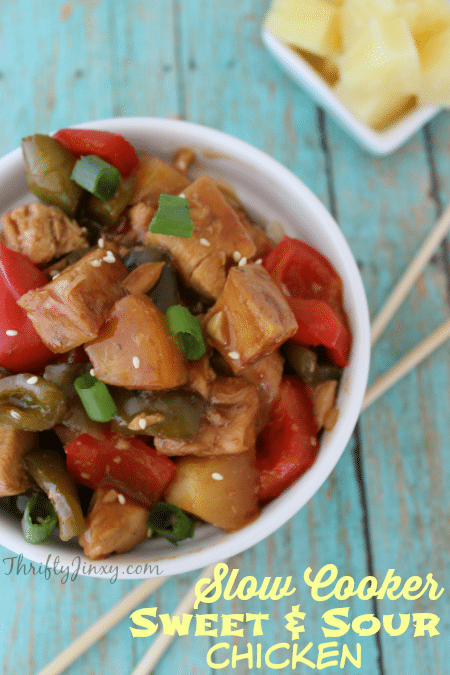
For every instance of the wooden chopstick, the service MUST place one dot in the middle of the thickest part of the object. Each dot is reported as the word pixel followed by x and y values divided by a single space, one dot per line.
pixel 412 359
pixel 102 626
pixel 162 642
pixel 395 299
pixel 404 285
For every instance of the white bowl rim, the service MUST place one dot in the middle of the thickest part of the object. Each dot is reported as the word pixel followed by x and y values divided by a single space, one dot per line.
pixel 287 505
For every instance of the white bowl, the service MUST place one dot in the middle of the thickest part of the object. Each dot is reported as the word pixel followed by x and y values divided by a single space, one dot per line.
pixel 376 142
pixel 270 192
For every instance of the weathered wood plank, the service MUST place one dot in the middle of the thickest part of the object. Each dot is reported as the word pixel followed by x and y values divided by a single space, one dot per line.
pixel 386 210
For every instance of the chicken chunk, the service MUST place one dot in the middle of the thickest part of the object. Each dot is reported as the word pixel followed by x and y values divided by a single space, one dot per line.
pixel 266 376
pixel 14 444
pixel 134 348
pixel 115 524
pixel 138 218
pixel 229 424
pixel 218 235
pixel 41 232
pixel 200 376
pixel 250 319
pixel 70 310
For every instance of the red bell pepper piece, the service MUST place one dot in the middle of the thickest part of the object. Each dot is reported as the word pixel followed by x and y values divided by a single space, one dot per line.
pixel 288 445
pixel 111 147
pixel 21 348
pixel 319 325
pixel 126 464
pixel 304 273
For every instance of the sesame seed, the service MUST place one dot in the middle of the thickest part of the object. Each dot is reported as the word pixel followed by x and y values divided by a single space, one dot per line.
pixel 15 414
pixel 258 262
pixel 92 372
pixel 109 257
pixel 12 333
pixel 96 263
pixel 121 499
pixel 217 476
pixel 101 242
pixel 236 256
pixel 182 165
pixel 117 459
pixel 149 532
pixel 182 195
pixel 54 274
pixel 313 441
pixel 242 262
pixel 86 476
pixel 204 242
pixel 234 355
pixel 32 380
pixel 142 423
pixel 136 362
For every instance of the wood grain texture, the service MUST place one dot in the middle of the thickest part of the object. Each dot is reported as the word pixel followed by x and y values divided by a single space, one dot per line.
pixel 386 505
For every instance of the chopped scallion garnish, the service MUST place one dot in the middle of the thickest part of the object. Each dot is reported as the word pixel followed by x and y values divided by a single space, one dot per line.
pixel 38 532
pixel 171 522
pixel 95 398
pixel 172 217
pixel 186 330
pixel 96 176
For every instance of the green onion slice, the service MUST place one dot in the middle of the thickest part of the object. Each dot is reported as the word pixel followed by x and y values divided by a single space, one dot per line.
pixel 186 330
pixel 95 397
pixel 96 176
pixel 171 522
pixel 41 507
pixel 172 217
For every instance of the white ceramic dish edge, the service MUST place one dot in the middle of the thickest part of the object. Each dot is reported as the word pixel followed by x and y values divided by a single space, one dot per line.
pixel 229 158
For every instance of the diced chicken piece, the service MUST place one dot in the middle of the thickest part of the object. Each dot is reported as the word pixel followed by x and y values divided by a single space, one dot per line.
pixel 153 178
pixel 250 319
pixel 134 348
pixel 70 310
pixel 14 444
pixel 41 232
pixel 143 278
pixel 115 524
pixel 138 219
pixel 218 234
pixel 266 376
pixel 323 396
pixel 229 424
pixel 200 376
pixel 184 159
pixel 263 244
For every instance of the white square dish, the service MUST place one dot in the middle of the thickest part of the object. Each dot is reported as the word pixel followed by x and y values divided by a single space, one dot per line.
pixel 376 142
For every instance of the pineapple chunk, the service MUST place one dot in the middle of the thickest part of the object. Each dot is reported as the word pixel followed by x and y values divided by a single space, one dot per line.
pixel 313 25
pixel 375 108
pixel 435 86
pixel 384 58
pixel 426 18
pixel 356 15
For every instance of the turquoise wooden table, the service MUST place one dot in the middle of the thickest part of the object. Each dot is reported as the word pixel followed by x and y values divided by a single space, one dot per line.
pixel 386 505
